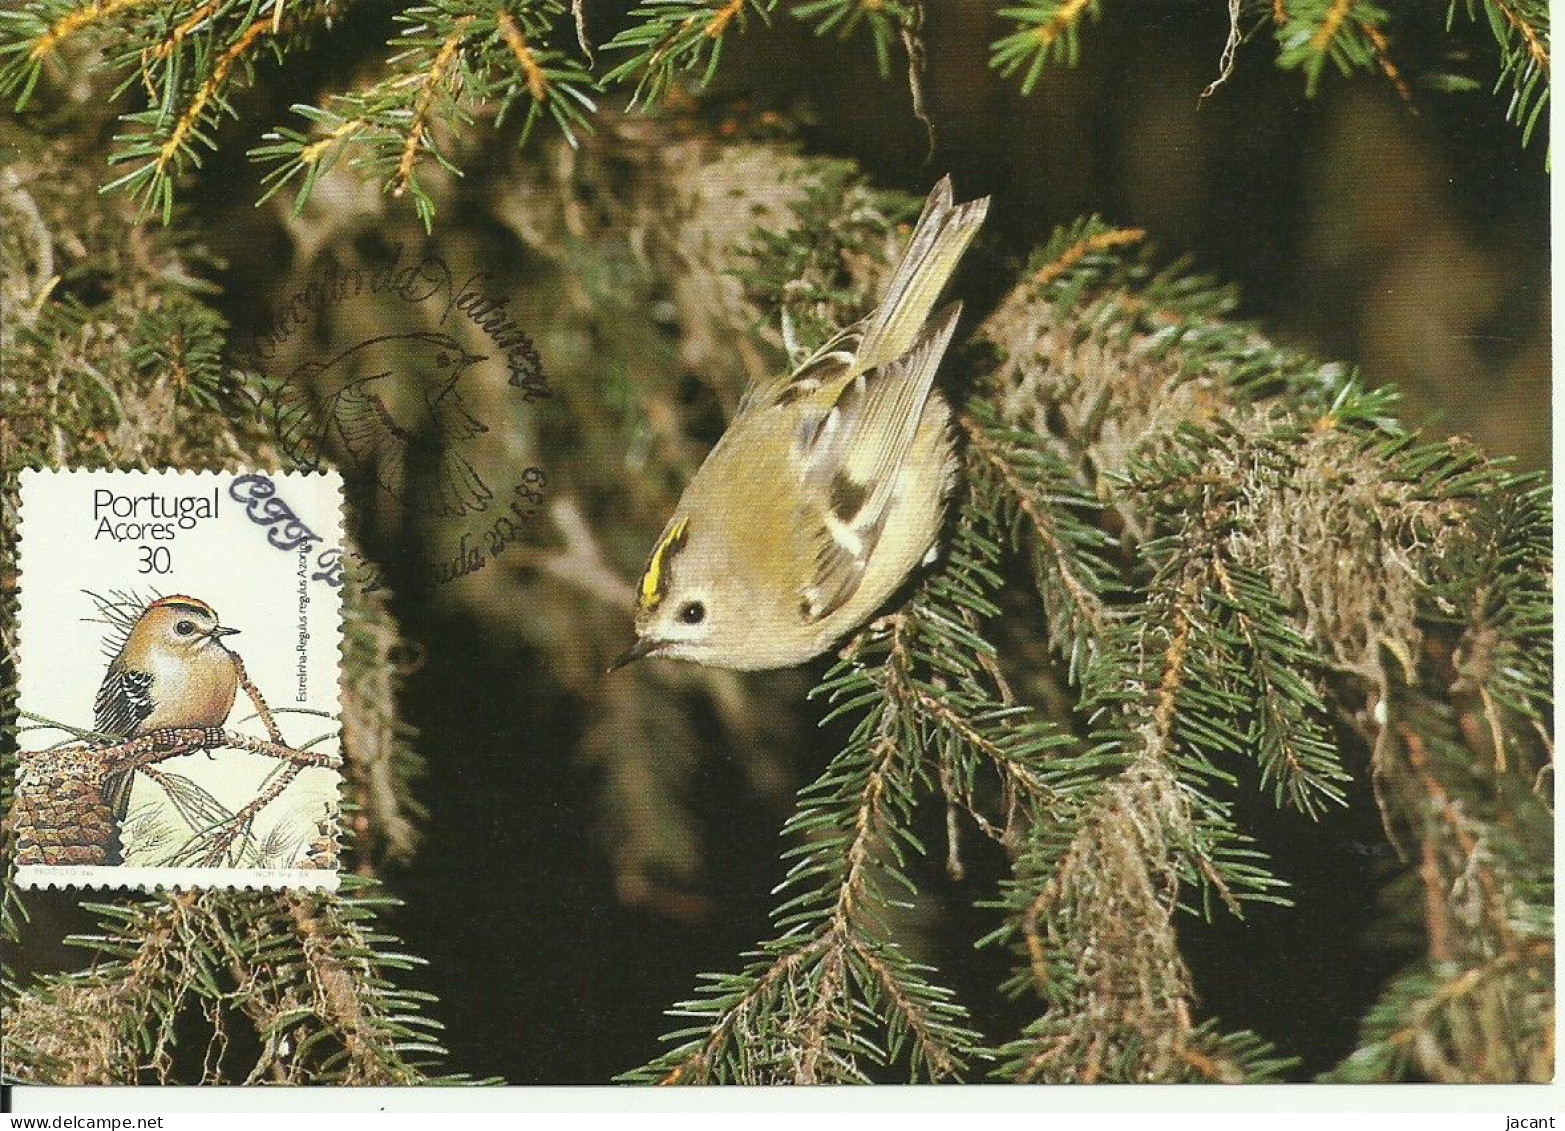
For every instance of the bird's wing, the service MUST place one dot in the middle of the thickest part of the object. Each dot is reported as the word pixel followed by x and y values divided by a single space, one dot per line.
pixel 940 237
pixel 370 435
pixel 124 701
pixel 817 377
pixel 453 423
pixel 116 792
pixel 362 422
pixel 453 488
pixel 850 457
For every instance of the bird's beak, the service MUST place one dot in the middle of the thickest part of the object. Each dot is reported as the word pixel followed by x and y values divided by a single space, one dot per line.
pixel 221 631
pixel 643 646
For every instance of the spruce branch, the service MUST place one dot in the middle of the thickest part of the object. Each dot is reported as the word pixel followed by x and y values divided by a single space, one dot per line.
pixel 798 1011
pixel 260 986
pixel 309 975
pixel 459 62
pixel 186 56
pixel 1222 456
pixel 883 19
pixel 1091 911
pixel 1318 32
pixel 456 59
pixel 1206 632
pixel 1381 45
pixel 1294 747
pixel 1048 31
pixel 1521 30
pixel 887 22
pixel 381 759
pixel 1017 477
pixel 1477 1007
pixel 189 75
pixel 670 37
pixel 793 1015
pixel 32 37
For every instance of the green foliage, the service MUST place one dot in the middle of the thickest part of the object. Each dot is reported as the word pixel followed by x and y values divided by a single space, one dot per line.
pixel 801 273
pixel 186 57
pixel 309 975
pixel 1521 29
pixel 1339 32
pixel 186 340
pixel 1248 572
pixel 1354 35
pixel 1248 647
pixel 669 37
pixel 885 22
pixel 1257 681
pixel 1048 31
pixel 1477 1007
pixel 455 63
pixel 1276 537
pixel 453 59
pixel 835 992
pixel 1508 650
pixel 1027 488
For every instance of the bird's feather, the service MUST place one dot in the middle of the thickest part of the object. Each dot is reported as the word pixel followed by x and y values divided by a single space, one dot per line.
pixel 124 701
pixel 453 422
pixel 852 458
pixel 453 489
pixel 935 248
pixel 939 238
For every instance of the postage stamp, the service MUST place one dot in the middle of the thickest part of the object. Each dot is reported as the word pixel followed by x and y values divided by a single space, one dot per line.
pixel 179 640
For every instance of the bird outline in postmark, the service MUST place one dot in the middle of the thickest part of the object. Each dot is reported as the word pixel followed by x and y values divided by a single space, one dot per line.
pixel 419 419
pixel 375 436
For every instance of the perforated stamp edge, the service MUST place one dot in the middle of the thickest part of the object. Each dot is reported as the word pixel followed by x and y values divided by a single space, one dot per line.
pixel 328 543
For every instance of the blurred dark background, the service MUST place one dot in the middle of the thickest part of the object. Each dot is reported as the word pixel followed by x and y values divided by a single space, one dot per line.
pixel 1409 238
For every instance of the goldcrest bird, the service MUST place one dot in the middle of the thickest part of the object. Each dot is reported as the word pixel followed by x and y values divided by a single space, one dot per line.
pixel 173 671
pixel 826 490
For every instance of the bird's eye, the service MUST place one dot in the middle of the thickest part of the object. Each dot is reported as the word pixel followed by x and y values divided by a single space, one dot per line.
pixel 692 612
pixel 185 627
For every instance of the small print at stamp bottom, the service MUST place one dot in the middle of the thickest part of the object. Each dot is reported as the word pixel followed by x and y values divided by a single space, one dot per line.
pixel 179 652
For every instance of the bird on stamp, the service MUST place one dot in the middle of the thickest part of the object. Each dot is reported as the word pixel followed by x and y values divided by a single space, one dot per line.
pixel 173 671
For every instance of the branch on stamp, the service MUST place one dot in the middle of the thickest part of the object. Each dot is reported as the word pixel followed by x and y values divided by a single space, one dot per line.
pixel 61 815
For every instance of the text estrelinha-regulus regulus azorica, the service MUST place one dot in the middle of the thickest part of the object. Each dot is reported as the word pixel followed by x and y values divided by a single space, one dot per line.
pixel 827 488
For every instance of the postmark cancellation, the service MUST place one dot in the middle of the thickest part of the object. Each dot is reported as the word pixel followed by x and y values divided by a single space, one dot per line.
pixel 179 640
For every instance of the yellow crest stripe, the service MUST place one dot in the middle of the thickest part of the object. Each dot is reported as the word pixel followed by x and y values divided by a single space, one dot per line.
pixel 654 580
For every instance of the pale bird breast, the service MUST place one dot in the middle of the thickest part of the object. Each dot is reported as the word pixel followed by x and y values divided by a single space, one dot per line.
pixel 198 691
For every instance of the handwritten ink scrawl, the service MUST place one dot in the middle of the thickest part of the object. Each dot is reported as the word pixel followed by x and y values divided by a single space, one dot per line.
pixel 179 639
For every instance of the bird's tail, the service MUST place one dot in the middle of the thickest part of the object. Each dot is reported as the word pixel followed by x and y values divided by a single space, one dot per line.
pixel 942 234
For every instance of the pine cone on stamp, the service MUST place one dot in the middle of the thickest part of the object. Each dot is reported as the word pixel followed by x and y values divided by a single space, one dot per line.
pixel 60 813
